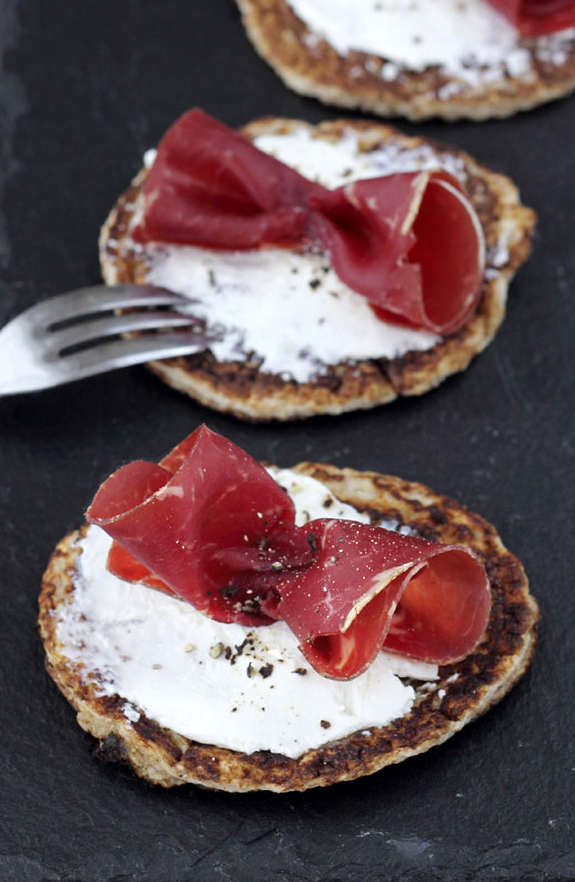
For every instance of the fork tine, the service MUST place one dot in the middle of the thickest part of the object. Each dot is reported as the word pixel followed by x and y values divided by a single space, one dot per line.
pixel 123 353
pixel 31 353
pixel 115 324
pixel 84 301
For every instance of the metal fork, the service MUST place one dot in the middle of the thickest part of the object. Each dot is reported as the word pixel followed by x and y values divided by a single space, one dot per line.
pixel 36 354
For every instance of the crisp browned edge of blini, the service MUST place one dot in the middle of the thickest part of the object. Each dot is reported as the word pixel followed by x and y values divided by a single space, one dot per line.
pixel 463 692
pixel 248 392
pixel 313 67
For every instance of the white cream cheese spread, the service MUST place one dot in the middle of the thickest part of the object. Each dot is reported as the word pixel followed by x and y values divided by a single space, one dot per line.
pixel 466 38
pixel 245 689
pixel 285 310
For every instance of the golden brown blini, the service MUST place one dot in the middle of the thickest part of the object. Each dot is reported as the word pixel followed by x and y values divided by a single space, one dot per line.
pixel 464 690
pixel 308 64
pixel 244 387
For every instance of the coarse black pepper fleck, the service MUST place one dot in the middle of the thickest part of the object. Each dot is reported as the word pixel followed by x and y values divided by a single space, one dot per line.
pixel 325 724
pixel 228 591
pixel 266 671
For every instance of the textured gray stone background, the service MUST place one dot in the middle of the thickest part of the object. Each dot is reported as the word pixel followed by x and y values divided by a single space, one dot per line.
pixel 85 88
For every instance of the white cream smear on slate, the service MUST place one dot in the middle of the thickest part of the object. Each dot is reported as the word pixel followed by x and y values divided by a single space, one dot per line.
pixel 166 659
pixel 466 38
pixel 289 310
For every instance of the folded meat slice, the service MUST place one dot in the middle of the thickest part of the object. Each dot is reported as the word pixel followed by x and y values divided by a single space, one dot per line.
pixel 371 588
pixel 411 242
pixel 535 18
pixel 208 524
pixel 211 525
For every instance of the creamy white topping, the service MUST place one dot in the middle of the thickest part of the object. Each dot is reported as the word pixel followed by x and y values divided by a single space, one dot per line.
pixel 335 163
pixel 467 38
pixel 226 685
pixel 288 311
pixel 313 500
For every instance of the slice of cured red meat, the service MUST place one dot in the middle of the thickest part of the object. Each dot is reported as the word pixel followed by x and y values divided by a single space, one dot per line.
pixel 410 242
pixel 211 187
pixel 535 18
pixel 371 588
pixel 209 524
pixel 198 522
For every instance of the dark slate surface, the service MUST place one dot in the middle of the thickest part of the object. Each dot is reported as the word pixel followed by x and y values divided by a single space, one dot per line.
pixel 85 88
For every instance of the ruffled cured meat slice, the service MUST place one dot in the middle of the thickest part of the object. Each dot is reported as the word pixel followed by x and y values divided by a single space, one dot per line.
pixel 411 242
pixel 371 588
pixel 429 271
pixel 211 187
pixel 197 523
pixel 209 524
pixel 535 18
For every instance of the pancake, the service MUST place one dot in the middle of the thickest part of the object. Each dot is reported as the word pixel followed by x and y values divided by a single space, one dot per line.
pixel 532 72
pixel 462 692
pixel 245 386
